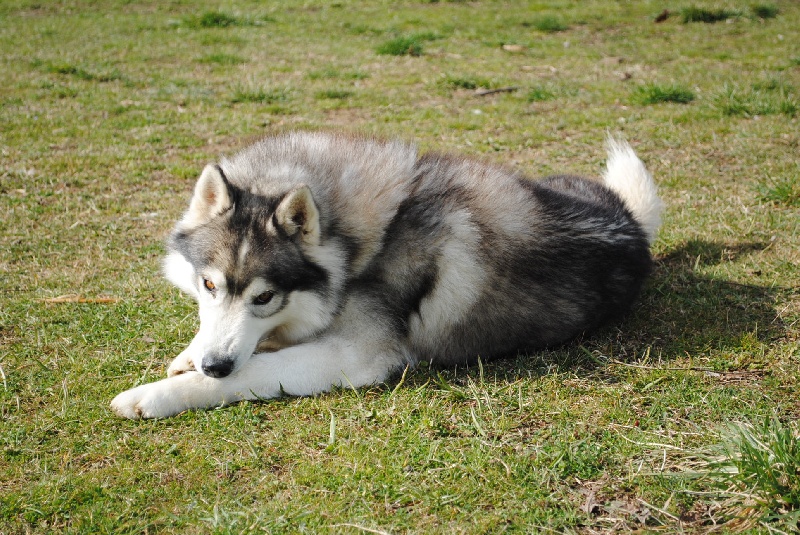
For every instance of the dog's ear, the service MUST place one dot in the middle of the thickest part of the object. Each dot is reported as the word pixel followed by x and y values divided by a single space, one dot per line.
pixel 298 213
pixel 211 197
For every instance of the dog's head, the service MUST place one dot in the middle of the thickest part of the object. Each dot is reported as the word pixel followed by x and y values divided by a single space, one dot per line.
pixel 249 260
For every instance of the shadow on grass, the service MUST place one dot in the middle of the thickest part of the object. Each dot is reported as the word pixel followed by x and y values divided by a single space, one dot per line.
pixel 682 312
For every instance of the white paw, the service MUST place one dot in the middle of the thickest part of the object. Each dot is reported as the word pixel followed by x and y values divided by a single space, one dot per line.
pixel 179 366
pixel 147 401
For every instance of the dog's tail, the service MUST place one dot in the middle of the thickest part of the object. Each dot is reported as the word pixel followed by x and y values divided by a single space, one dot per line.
pixel 627 176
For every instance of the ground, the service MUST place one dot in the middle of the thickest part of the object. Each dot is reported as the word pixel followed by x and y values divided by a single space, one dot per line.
pixel 109 112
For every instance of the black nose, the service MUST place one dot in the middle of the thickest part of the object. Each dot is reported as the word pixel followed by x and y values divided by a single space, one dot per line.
pixel 217 367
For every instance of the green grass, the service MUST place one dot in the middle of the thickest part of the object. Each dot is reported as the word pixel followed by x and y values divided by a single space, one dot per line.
pixel 706 15
pixel 758 101
pixel 221 19
pixel 785 190
pixel 402 46
pixel 330 73
pixel 213 19
pixel 656 94
pixel 547 24
pixel 222 59
pixel 466 82
pixel 764 11
pixel 67 69
pixel 334 94
pixel 255 93
pixel 110 110
pixel 540 94
pixel 755 468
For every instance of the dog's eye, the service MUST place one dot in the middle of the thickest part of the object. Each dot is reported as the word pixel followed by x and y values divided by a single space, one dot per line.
pixel 210 286
pixel 263 298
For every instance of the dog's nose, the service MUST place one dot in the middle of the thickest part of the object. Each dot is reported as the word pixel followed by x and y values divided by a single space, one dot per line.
pixel 217 367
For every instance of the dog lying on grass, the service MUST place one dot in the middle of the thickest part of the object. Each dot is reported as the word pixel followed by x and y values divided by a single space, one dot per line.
pixel 322 260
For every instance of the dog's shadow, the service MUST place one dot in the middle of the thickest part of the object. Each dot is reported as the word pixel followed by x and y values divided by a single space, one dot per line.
pixel 680 313
pixel 683 313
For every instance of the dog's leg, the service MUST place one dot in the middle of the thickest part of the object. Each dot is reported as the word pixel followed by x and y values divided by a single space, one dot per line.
pixel 299 370
pixel 185 361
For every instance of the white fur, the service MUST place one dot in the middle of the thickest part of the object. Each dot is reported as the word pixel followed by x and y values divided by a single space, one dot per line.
pixel 210 198
pixel 180 272
pixel 244 248
pixel 228 325
pixel 460 280
pixel 304 369
pixel 628 177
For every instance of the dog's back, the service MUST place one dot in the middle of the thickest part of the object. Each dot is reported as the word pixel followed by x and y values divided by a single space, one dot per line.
pixel 481 262
pixel 465 259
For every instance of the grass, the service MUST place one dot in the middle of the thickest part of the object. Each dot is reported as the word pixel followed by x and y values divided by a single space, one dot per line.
pixel 712 15
pixel 757 101
pixel 706 15
pixel 764 11
pixel 401 46
pixel 784 191
pixel 547 24
pixel 221 19
pixel 68 69
pixel 465 82
pixel 222 59
pixel 330 73
pixel 334 94
pixel 255 93
pixel 656 94
pixel 110 111
pixel 755 468
pixel 540 94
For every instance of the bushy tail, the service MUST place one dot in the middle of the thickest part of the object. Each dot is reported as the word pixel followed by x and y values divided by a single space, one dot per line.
pixel 627 176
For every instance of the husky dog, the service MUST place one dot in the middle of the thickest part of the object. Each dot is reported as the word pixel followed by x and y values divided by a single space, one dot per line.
pixel 323 261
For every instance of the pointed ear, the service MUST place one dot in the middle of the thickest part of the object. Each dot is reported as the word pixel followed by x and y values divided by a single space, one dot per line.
pixel 298 213
pixel 211 197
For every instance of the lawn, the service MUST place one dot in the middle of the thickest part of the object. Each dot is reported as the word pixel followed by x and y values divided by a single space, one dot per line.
pixel 681 417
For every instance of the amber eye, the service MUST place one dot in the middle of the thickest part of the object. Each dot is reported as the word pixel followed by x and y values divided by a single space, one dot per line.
pixel 263 298
pixel 210 286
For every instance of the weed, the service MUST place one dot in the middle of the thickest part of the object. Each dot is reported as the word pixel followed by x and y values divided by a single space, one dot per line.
pixel 401 46
pixel 465 82
pixel 773 84
pixel 756 468
pixel 426 36
pixel 709 16
pixel 764 11
pixel 657 94
pixel 216 19
pixel 262 95
pixel 784 191
pixel 220 19
pixel 222 59
pixel 755 102
pixel 69 69
pixel 334 94
pixel 330 73
pixel 547 24
pixel 540 94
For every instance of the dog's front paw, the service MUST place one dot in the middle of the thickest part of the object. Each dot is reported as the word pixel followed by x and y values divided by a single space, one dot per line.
pixel 146 401
pixel 180 365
